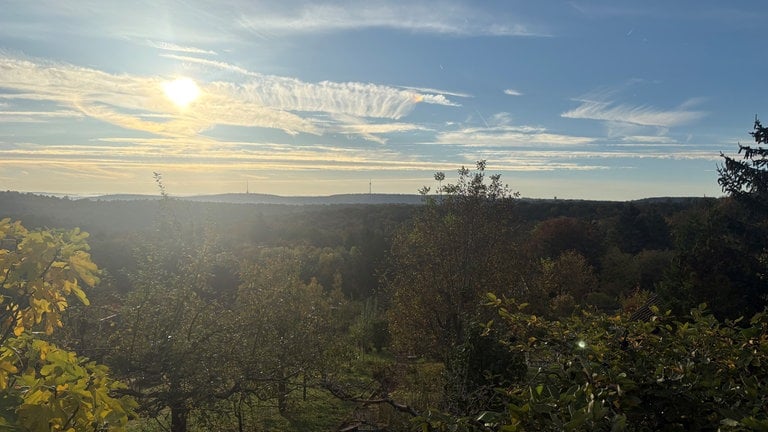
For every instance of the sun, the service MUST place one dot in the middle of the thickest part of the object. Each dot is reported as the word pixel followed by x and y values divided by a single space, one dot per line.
pixel 181 91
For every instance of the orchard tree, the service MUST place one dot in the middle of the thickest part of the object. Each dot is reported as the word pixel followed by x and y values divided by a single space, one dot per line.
pixel 174 335
pixel 291 329
pixel 44 387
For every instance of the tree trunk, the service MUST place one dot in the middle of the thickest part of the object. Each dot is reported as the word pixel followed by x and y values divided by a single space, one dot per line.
pixel 282 397
pixel 179 418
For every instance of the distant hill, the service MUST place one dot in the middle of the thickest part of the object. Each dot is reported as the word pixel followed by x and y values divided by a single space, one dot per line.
pixel 255 198
pixel 122 197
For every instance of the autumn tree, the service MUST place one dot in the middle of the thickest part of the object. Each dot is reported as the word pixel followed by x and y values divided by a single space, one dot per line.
pixel 42 386
pixel 562 284
pixel 458 246
pixel 455 249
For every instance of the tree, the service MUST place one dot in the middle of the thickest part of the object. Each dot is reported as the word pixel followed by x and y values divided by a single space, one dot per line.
pixel 717 260
pixel 554 236
pixel 290 328
pixel 456 248
pixel 720 251
pixel 562 283
pixel 747 179
pixel 174 336
pixel 44 387
pixel 599 372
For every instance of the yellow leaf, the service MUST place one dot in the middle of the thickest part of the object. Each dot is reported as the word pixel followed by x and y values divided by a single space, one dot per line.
pixel 79 293
pixel 8 367
pixel 85 269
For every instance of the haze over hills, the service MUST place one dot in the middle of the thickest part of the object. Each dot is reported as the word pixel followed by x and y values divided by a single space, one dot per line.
pixel 257 198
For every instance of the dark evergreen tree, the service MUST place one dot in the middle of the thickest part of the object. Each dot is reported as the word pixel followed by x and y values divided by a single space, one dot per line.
pixel 747 179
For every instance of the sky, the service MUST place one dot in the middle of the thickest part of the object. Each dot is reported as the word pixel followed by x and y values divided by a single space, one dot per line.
pixel 582 99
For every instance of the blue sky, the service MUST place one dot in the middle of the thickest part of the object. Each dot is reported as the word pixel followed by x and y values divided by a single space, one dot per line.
pixel 574 99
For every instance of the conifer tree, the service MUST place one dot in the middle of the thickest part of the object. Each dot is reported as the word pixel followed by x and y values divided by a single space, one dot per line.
pixel 747 179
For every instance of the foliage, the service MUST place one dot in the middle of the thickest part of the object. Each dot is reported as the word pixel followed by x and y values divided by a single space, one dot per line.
pixel 369 331
pixel 457 247
pixel 552 237
pixel 44 387
pixel 717 260
pixel 597 372
pixel 292 331
pixel 174 333
pixel 747 179
pixel 560 284
pixel 636 230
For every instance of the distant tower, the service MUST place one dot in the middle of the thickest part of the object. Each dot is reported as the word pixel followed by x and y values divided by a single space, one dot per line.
pixel 246 188
pixel 370 187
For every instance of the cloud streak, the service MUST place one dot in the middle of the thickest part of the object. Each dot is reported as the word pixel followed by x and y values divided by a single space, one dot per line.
pixel 643 115
pixel 167 46
pixel 509 136
pixel 452 18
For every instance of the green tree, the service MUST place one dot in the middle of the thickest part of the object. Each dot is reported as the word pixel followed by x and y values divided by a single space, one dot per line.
pixel 607 373
pixel 292 330
pixel 720 250
pixel 550 238
pixel 747 179
pixel 717 260
pixel 174 336
pixel 44 387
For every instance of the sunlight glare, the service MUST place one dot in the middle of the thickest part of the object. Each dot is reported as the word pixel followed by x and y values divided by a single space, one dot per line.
pixel 181 91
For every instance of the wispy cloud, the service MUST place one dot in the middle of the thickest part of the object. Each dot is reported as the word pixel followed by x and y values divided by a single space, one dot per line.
pixel 266 101
pixel 508 136
pixel 350 125
pixel 648 139
pixel 167 46
pixel 599 106
pixel 512 92
pixel 35 116
pixel 352 98
pixel 117 98
pixel 500 132
pixel 454 18
pixel 436 91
